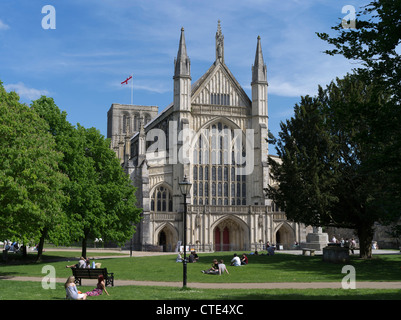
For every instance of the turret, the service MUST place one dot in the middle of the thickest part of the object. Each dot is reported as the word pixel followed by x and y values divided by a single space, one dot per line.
pixel 259 83
pixel 182 77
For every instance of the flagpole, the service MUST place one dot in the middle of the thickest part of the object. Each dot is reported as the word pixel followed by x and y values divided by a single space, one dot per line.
pixel 132 89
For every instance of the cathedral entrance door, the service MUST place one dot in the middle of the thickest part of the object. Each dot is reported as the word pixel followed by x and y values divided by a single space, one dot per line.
pixel 229 235
pixel 162 240
pixel 222 239
pixel 167 238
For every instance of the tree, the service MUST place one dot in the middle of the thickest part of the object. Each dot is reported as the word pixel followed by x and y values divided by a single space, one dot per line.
pixel 306 174
pixel 70 145
pixel 376 43
pixel 102 199
pixel 117 211
pixel 31 184
pixel 329 175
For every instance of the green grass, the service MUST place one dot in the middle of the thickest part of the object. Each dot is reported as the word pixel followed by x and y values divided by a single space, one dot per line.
pixel 28 290
pixel 278 268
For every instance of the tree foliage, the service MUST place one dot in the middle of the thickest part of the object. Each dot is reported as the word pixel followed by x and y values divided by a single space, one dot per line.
pixel 375 42
pixel 330 174
pixel 102 200
pixel 31 184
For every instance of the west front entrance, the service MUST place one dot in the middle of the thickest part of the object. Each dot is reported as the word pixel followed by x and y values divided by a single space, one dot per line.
pixel 230 235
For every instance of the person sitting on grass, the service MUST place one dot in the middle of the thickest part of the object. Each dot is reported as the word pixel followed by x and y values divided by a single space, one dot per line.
pixel 179 257
pixel 222 268
pixel 270 251
pixel 81 264
pixel 193 257
pixel 244 259
pixel 71 290
pixel 236 262
pixel 100 287
pixel 214 269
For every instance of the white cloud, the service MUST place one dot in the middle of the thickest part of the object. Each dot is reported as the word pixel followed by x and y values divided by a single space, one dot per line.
pixel 4 26
pixel 25 92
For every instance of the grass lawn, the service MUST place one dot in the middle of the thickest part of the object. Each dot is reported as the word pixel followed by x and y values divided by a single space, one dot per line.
pixel 29 290
pixel 278 268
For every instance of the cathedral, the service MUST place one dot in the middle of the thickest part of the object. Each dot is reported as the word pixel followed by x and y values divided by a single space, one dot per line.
pixel 213 135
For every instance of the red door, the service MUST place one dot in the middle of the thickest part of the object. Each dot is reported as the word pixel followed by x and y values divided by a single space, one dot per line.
pixel 217 239
pixel 226 239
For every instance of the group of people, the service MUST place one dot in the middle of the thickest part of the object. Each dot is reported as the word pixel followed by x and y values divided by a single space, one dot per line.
pixel 72 292
pixel 11 246
pixel 217 268
pixel 193 257
pixel 237 261
pixel 346 243
pixel 82 264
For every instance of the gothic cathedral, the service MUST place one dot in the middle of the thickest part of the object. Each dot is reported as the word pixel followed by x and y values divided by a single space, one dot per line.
pixel 214 135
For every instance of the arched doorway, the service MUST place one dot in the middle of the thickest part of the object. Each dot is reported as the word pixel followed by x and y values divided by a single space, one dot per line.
pixel 285 236
pixel 229 235
pixel 167 238
pixel 163 240
pixel 222 239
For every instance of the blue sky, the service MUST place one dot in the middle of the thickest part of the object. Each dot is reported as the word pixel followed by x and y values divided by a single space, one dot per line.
pixel 98 43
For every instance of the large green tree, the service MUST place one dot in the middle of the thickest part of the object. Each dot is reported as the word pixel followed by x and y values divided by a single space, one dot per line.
pixel 102 199
pixel 119 213
pixel 31 184
pixel 375 42
pixel 71 146
pixel 329 175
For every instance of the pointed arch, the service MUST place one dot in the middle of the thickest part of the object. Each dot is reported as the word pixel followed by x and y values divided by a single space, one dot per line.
pixel 284 235
pixel 217 166
pixel 166 236
pixel 230 233
pixel 161 198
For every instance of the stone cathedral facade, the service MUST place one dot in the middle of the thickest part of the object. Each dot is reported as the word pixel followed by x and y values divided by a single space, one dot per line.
pixel 215 135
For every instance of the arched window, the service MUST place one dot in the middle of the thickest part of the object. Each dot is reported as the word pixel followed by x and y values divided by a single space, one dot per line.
pixel 161 200
pixel 223 186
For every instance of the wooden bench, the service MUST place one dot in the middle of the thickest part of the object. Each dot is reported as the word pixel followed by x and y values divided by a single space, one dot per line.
pixel 80 274
pixel 311 251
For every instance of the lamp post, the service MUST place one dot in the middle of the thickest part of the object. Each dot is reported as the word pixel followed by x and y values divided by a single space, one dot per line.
pixel 185 187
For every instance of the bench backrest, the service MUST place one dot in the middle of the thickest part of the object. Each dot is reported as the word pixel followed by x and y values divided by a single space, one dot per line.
pixel 89 273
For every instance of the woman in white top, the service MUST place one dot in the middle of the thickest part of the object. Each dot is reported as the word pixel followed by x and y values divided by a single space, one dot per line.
pixel 71 290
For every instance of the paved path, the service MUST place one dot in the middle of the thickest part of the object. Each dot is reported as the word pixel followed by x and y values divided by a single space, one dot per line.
pixel 270 285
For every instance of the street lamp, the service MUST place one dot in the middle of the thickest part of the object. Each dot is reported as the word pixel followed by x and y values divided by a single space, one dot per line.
pixel 185 187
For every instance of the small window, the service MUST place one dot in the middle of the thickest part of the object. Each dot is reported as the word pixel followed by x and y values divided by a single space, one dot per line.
pixel 222 99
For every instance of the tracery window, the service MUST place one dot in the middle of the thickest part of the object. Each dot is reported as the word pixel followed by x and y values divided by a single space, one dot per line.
pixel 161 200
pixel 215 178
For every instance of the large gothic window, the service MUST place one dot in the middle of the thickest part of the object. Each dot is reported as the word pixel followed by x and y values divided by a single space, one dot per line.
pixel 161 200
pixel 215 178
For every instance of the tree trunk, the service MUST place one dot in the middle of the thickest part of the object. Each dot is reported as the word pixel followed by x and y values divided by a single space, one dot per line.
pixel 84 245
pixel 365 234
pixel 24 253
pixel 41 244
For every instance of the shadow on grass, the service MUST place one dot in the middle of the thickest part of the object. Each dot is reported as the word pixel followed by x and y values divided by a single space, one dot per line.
pixel 289 267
